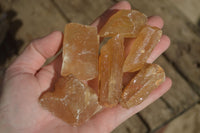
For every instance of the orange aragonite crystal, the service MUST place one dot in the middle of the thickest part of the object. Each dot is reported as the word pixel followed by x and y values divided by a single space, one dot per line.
pixel 126 22
pixel 75 102
pixel 80 51
pixel 148 79
pixel 110 71
pixel 72 101
pixel 142 48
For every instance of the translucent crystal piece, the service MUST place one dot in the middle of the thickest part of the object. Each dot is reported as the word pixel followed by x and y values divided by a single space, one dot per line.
pixel 72 101
pixel 146 80
pixel 126 22
pixel 142 48
pixel 80 51
pixel 110 67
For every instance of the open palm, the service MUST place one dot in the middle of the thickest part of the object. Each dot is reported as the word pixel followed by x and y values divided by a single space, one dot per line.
pixel 27 78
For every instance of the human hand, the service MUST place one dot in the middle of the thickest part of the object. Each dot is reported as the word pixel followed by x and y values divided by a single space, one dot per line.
pixel 27 78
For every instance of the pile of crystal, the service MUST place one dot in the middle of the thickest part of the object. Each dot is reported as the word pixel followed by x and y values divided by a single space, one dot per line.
pixel 72 99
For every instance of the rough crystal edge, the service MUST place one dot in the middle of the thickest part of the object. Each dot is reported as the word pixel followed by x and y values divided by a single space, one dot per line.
pixel 64 74
pixel 107 34
pixel 108 103
pixel 124 103
pixel 159 34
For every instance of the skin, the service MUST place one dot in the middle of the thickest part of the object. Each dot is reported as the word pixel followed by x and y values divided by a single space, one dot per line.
pixel 27 78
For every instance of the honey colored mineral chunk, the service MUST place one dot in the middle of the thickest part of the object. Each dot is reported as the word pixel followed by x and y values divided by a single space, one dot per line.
pixel 148 79
pixel 72 101
pixel 142 48
pixel 110 65
pixel 126 22
pixel 80 51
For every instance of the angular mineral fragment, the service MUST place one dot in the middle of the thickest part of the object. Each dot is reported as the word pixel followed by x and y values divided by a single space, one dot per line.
pixel 72 101
pixel 110 71
pixel 148 79
pixel 80 51
pixel 126 22
pixel 142 48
